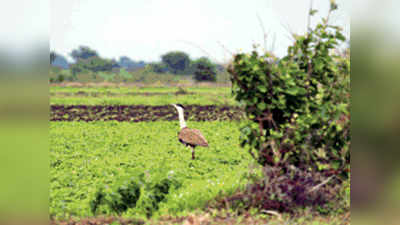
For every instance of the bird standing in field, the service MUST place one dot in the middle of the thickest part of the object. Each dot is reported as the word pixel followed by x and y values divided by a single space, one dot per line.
pixel 189 137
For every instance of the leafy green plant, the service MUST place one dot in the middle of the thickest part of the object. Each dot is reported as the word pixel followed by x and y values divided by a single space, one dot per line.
pixel 298 105
pixel 107 77
pixel 62 75
pixel 177 62
pixel 125 75
pixel 204 70
pixel 158 67
pixel 157 191
pixel 119 198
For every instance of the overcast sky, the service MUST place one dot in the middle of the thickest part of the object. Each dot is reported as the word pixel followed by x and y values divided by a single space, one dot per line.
pixel 146 29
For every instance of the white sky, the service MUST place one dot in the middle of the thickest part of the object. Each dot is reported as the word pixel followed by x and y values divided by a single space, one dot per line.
pixel 24 24
pixel 146 29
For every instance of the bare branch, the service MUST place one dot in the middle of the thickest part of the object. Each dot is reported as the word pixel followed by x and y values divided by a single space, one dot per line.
pixel 201 49
pixel 289 30
pixel 223 46
pixel 320 185
pixel 309 17
pixel 263 29
pixel 273 43
pixel 271 212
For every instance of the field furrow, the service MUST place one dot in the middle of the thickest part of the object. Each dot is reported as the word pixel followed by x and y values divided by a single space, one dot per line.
pixel 141 113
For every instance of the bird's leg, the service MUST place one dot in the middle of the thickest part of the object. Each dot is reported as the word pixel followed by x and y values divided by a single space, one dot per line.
pixel 193 156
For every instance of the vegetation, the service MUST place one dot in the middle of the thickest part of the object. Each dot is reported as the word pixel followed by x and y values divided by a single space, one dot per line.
pixel 93 64
pixel 129 64
pixel 142 96
pixel 173 67
pixel 299 121
pixel 299 105
pixel 176 62
pixel 91 160
pixel 83 52
pixel 132 90
pixel 204 70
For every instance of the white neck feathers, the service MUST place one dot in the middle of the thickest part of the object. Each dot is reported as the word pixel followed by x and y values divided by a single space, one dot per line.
pixel 181 117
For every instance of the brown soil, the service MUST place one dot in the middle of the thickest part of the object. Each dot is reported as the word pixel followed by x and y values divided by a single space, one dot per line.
pixel 142 113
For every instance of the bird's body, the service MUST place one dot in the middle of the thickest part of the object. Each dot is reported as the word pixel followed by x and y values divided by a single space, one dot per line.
pixel 192 137
pixel 187 136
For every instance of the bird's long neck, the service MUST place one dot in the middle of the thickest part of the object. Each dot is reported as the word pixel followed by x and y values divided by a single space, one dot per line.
pixel 181 118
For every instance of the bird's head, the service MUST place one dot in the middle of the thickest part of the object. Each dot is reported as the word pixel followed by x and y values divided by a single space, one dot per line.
pixel 178 106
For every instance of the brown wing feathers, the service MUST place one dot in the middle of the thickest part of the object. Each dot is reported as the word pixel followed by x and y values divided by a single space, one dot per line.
pixel 193 137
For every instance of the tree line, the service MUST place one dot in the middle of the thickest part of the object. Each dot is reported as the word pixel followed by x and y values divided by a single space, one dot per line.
pixel 173 62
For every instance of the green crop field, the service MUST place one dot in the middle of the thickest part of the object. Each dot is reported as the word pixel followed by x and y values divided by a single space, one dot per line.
pixel 85 156
pixel 133 89
pixel 140 96
pixel 144 100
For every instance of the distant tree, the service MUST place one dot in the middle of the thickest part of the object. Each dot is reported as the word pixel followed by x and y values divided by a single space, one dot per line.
pixel 52 56
pixel 93 64
pixel 125 75
pixel 58 60
pixel 204 70
pixel 83 52
pixel 61 76
pixel 77 67
pixel 177 62
pixel 220 68
pixel 158 67
pixel 109 77
pixel 114 64
pixel 127 63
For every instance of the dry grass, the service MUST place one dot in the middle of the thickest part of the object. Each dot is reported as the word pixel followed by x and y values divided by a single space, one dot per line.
pixel 220 217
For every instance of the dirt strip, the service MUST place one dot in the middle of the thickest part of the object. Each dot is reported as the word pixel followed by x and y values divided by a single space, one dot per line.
pixel 112 94
pixel 142 113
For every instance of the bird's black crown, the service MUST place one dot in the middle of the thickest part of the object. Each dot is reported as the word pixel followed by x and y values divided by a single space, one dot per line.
pixel 180 106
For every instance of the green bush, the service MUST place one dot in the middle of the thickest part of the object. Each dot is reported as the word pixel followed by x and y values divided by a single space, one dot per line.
pixel 107 77
pixel 157 67
pixel 118 198
pixel 156 192
pixel 125 75
pixel 298 105
pixel 141 191
pixel 204 70
pixel 177 62
pixel 61 75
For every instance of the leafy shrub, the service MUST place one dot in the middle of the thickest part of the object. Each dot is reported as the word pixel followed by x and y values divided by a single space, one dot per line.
pixel 62 75
pixel 158 67
pixel 156 192
pixel 129 192
pixel 204 70
pixel 181 91
pixel 125 75
pixel 298 105
pixel 107 77
pixel 118 199
pixel 287 192
pixel 92 64
pixel 177 62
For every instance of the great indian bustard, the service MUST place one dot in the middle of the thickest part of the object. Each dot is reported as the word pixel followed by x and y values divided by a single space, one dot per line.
pixel 189 137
